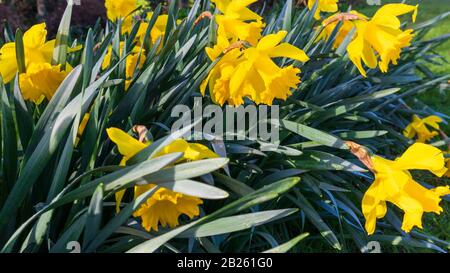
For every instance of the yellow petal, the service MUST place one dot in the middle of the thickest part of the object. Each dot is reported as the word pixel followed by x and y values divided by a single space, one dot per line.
pixel 422 157
pixel 268 42
pixel 397 9
pixel 289 51
pixel 370 202
pixel 409 132
pixel 35 36
pixel 127 145
pixel 119 196
pixel 355 53
pixel 8 62
pixel 198 151
pixel 433 121
pixel 41 80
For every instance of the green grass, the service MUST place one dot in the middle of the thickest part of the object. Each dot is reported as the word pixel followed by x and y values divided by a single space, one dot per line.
pixel 438 99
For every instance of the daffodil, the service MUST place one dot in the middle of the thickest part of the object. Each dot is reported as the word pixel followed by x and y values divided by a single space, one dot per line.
pixel 238 21
pixel 219 79
pixel 121 9
pixel 135 59
pixel 36 50
pixel 380 40
pixel 220 76
pixel 164 207
pixel 252 73
pixel 40 81
pixel 395 184
pixel 158 30
pixel 260 78
pixel 421 128
pixel 323 6
pixel 347 26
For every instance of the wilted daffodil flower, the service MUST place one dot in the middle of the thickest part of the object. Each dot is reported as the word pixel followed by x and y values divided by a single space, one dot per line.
pixel 40 79
pixel 164 207
pixel 380 40
pixel 134 60
pixel 323 6
pixel 395 184
pixel 238 21
pixel 421 128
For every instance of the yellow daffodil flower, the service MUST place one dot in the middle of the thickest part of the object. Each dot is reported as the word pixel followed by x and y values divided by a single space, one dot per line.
pixel 158 30
pixel 220 76
pixel 252 73
pixel 40 81
pixel 238 21
pixel 135 59
pixel 419 127
pixel 260 78
pixel 121 9
pixel 36 50
pixel 164 207
pixel 323 6
pixel 219 79
pixel 394 183
pixel 381 35
pixel 347 26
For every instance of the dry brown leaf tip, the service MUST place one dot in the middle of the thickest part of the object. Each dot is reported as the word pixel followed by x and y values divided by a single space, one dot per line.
pixel 141 131
pixel 361 153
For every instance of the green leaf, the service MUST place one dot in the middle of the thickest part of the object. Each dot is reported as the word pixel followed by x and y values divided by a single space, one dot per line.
pixel 317 160
pixel 287 20
pixel 62 38
pixel 119 219
pixel 94 215
pixel 197 189
pixel 316 220
pixel 362 134
pixel 25 126
pixel 71 234
pixel 233 184
pixel 20 52
pixel 314 135
pixel 288 245
pixel 236 223
pixel 9 139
